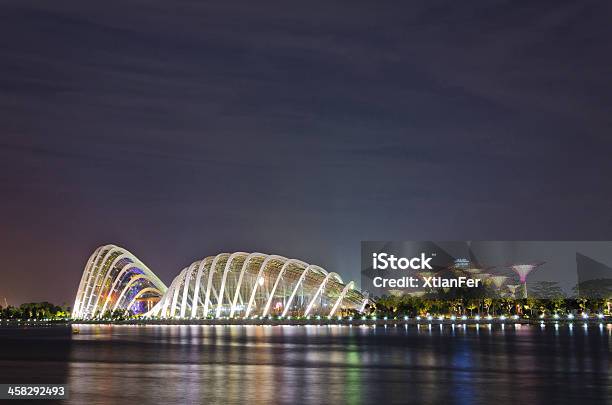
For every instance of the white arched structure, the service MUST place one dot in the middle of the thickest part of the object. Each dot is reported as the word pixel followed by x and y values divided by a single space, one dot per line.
pixel 107 282
pixel 236 285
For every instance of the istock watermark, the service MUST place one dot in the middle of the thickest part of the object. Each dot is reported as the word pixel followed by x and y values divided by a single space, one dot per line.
pixel 383 261
pixel 495 269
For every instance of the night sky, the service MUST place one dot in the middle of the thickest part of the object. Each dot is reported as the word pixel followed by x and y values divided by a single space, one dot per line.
pixel 181 130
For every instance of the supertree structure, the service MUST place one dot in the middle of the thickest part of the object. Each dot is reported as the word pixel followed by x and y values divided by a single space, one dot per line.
pixel 513 288
pixel 498 281
pixel 523 270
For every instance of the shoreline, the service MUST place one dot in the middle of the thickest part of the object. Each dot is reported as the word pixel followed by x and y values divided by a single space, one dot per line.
pixel 299 322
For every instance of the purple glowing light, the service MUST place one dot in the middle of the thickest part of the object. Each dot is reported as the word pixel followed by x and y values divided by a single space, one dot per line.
pixel 523 270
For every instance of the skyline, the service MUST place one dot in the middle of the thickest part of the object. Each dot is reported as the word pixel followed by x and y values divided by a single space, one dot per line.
pixel 184 133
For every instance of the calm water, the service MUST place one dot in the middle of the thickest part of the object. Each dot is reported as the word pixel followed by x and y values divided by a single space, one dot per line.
pixel 315 364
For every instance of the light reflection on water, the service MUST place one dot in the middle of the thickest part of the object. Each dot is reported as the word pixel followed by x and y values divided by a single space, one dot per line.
pixel 324 364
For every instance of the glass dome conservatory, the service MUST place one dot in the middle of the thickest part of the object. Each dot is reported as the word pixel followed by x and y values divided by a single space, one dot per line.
pixel 236 285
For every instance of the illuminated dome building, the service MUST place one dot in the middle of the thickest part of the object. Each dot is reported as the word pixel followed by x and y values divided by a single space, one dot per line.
pixel 113 279
pixel 237 285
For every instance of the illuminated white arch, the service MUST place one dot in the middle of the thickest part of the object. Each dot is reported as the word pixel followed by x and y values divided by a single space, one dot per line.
pixel 133 280
pixel 277 281
pixel 241 276
pixel 363 304
pixel 84 288
pixel 101 266
pixel 107 276
pixel 345 290
pixel 90 272
pixel 76 306
pixel 320 290
pixel 211 272
pixel 259 275
pixel 124 270
pixel 165 300
pixel 297 286
pixel 93 281
pixel 134 263
pixel 186 289
pixel 169 294
pixel 140 293
pixel 92 291
pixel 228 266
pixel 196 291
pixel 177 289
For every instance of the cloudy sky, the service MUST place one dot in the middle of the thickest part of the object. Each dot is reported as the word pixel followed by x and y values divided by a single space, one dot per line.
pixel 181 130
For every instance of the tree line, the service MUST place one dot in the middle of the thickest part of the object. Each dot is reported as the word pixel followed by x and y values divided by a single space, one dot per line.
pixel 35 310
pixel 398 306
pixel 545 298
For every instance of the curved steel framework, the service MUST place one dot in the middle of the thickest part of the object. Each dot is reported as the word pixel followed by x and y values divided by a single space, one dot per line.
pixel 114 279
pixel 237 285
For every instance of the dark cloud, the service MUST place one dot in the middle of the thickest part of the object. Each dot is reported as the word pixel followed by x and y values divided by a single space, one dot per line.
pixel 179 131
